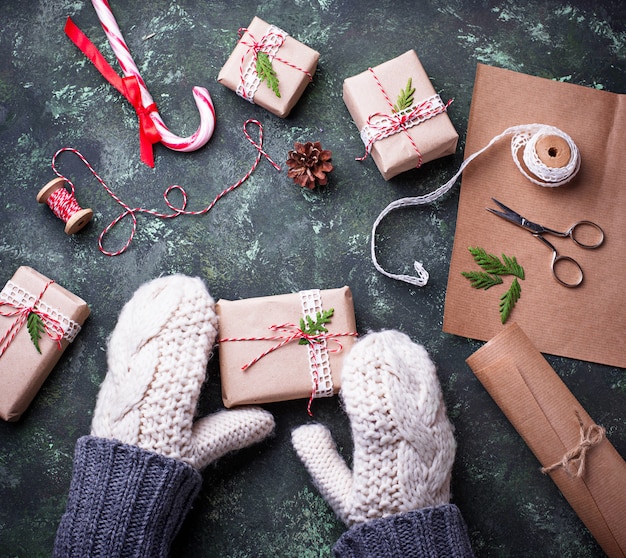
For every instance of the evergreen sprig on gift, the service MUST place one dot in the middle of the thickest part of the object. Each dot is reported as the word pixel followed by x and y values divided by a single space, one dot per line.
pixel 405 98
pixel 35 329
pixel 309 326
pixel 493 268
pixel 265 71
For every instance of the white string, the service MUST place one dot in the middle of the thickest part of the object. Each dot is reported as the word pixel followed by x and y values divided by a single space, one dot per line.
pixel 524 137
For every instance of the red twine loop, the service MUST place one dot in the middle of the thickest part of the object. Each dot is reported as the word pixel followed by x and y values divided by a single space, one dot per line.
pixel 176 210
pixel 295 334
pixel 52 327
pixel 271 41
pixel 393 123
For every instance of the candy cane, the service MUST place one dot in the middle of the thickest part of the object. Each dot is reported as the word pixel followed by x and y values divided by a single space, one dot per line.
pixel 126 62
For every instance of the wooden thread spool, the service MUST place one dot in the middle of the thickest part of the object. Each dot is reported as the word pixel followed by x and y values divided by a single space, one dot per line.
pixel 553 151
pixel 64 205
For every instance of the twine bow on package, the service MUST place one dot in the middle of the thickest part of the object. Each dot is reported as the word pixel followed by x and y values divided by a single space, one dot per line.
pixel 586 322
pixel 399 135
pixel 38 320
pixel 572 449
pixel 284 347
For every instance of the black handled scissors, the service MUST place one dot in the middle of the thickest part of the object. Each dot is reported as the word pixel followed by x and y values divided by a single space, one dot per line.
pixel 586 234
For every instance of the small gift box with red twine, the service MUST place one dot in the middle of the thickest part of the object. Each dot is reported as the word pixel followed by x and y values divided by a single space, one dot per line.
pixel 269 68
pixel 284 347
pixel 399 135
pixel 38 320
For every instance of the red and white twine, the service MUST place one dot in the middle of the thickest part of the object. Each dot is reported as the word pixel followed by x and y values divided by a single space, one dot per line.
pixel 295 333
pixel 20 312
pixel 64 204
pixel 380 125
pixel 269 44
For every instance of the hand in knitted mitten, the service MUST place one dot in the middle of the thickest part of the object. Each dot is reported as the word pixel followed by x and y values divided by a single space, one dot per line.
pixel 157 359
pixel 403 441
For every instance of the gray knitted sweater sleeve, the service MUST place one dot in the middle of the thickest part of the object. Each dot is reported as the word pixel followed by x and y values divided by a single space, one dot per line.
pixel 435 532
pixel 124 501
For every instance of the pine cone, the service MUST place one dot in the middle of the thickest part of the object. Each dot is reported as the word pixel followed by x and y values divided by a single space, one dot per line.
pixel 308 164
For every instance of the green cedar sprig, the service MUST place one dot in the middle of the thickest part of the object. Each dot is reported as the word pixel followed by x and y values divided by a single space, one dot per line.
pixel 265 71
pixel 493 268
pixel 509 298
pixel 492 264
pixel 35 329
pixel 314 327
pixel 405 98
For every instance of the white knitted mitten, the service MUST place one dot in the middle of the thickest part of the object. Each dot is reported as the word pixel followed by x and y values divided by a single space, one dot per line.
pixel 157 360
pixel 403 441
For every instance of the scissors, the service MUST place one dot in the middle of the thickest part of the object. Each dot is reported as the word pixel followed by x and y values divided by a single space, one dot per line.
pixel 578 232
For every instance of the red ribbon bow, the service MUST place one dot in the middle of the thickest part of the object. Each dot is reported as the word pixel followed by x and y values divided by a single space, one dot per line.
pixel 51 326
pixel 127 86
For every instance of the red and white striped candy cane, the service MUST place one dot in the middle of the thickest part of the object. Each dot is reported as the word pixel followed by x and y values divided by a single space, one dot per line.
pixel 201 95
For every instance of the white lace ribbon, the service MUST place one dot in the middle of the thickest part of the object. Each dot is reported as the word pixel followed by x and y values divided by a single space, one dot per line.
pixel 523 137
pixel 319 360
pixel 19 297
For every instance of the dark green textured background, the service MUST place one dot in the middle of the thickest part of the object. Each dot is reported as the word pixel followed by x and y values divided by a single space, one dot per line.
pixel 270 237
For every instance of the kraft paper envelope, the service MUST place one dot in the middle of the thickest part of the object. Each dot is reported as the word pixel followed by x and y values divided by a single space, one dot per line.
pixel 543 410
pixel 587 322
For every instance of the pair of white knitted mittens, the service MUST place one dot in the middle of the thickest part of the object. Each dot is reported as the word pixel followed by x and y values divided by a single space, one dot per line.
pixel 403 441
pixel 157 361
pixel 157 357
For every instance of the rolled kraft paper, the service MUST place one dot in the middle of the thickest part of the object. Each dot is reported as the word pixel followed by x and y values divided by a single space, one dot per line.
pixel 75 220
pixel 545 414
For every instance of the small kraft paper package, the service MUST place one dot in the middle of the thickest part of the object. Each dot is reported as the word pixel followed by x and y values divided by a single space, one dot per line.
pixel 38 320
pixel 273 348
pixel 269 68
pixel 402 121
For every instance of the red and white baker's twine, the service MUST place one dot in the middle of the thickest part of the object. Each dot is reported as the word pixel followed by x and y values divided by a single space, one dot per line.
pixel 269 43
pixel 133 87
pixel 380 125
pixel 20 312
pixel 295 333
pixel 63 207
pixel 63 203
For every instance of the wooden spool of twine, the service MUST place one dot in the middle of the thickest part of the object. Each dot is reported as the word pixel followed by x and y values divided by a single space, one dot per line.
pixel 64 205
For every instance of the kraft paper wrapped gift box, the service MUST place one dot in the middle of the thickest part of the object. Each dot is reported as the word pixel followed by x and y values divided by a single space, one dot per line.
pixel 281 370
pixel 293 62
pixel 24 365
pixel 399 141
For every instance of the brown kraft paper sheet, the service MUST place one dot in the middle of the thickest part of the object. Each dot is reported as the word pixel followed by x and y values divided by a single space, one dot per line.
pixel 586 322
pixel 283 374
pixel 543 411
pixel 22 369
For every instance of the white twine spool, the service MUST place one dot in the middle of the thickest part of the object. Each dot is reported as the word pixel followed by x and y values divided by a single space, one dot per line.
pixel 545 155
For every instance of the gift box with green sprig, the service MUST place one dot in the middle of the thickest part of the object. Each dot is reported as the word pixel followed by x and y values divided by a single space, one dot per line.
pixel 402 121
pixel 284 347
pixel 269 68
pixel 38 320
